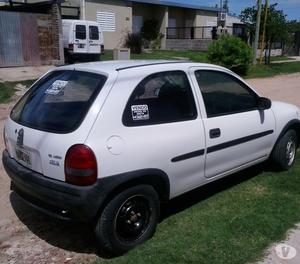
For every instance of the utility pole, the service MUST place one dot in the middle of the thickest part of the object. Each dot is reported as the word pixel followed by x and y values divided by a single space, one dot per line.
pixel 262 45
pixel 255 46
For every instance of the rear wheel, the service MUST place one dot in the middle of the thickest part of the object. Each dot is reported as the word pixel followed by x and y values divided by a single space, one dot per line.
pixel 285 151
pixel 128 220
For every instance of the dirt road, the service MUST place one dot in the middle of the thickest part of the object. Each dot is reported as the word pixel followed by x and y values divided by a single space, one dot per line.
pixel 29 237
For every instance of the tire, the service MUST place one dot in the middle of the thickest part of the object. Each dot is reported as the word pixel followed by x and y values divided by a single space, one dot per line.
pixel 284 153
pixel 128 220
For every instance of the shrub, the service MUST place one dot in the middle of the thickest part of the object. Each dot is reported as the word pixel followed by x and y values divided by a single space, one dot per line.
pixel 150 29
pixel 133 41
pixel 156 44
pixel 231 52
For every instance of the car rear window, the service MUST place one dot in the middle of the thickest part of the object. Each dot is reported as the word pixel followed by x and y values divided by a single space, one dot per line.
pixel 94 33
pixel 80 32
pixel 59 101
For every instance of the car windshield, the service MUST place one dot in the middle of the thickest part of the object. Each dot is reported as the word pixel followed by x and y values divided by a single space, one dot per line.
pixel 59 101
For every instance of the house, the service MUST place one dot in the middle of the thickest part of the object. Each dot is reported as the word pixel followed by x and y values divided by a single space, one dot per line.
pixel 182 25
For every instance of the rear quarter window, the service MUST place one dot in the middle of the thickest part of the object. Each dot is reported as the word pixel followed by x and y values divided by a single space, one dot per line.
pixel 58 102
pixel 162 97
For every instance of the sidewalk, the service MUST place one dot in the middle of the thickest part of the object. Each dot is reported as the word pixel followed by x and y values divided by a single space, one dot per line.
pixel 287 252
pixel 292 59
pixel 13 74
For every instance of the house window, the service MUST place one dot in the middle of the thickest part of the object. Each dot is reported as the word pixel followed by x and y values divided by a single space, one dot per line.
pixel 106 21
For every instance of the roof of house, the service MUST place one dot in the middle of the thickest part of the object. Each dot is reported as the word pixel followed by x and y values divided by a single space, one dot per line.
pixel 178 4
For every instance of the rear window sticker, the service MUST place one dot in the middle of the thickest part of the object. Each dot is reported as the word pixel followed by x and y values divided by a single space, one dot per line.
pixel 140 112
pixel 56 87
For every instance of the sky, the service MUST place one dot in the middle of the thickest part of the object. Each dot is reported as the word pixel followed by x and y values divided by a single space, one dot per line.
pixel 290 7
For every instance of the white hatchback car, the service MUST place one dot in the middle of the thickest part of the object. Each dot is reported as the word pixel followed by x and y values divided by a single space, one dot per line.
pixel 107 142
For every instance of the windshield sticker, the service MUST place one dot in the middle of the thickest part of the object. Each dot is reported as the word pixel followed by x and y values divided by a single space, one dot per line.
pixel 140 112
pixel 56 87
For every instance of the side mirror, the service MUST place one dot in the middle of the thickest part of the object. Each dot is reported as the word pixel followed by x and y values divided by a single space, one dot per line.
pixel 263 103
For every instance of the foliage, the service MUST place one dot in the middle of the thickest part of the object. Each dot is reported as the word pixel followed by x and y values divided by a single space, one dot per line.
pixel 276 27
pixel 156 44
pixel 150 29
pixel 231 52
pixel 133 41
pixel 226 5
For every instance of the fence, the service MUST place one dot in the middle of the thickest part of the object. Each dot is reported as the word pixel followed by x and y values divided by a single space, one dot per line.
pixel 29 39
pixel 190 32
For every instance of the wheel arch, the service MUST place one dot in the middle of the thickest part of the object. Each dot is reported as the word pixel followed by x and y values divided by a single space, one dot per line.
pixel 156 178
pixel 292 124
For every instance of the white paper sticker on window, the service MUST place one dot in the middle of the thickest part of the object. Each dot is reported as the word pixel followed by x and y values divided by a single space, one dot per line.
pixel 56 87
pixel 140 112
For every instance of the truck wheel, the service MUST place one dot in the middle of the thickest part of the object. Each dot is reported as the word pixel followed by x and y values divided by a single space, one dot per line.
pixel 284 153
pixel 128 220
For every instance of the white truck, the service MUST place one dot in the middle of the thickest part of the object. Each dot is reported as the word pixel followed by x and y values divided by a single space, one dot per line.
pixel 83 40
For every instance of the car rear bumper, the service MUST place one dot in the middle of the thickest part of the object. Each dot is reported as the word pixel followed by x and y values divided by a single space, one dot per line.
pixel 56 198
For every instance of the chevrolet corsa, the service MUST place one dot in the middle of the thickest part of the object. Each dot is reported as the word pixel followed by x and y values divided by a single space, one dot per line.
pixel 108 142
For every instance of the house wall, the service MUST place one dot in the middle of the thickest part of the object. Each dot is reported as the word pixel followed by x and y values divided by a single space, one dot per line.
pixel 123 17
pixel 182 17
pixel 203 19
pixel 148 11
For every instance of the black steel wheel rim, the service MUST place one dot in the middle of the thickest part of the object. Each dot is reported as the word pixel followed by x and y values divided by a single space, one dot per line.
pixel 132 219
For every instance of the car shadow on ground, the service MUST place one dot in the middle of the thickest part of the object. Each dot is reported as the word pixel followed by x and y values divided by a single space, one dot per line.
pixel 68 235
pixel 79 237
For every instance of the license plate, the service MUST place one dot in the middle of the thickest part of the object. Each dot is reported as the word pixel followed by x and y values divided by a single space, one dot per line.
pixel 81 46
pixel 23 155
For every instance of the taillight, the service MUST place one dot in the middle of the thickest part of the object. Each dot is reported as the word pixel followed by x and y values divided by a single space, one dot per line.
pixel 80 166
pixel 71 46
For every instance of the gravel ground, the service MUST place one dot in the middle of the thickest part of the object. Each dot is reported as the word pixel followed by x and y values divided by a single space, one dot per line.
pixel 29 237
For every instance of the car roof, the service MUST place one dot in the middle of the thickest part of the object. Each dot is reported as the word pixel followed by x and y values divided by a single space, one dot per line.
pixel 121 65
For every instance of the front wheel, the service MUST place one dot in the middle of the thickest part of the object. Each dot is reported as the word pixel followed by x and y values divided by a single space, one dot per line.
pixel 284 153
pixel 128 220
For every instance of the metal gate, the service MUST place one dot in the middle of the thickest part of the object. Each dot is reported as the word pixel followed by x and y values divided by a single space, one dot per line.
pixel 19 42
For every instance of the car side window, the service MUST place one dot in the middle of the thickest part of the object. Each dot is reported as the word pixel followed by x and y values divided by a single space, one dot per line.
pixel 161 98
pixel 224 94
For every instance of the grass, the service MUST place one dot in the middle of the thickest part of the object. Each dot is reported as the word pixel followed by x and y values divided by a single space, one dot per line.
pixel 260 71
pixel 7 89
pixel 231 221
pixel 163 55
pixel 281 58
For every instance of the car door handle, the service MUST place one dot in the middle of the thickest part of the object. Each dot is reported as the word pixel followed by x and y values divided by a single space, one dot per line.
pixel 214 133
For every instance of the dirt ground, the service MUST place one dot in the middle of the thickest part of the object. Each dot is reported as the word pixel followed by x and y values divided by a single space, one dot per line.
pixel 29 237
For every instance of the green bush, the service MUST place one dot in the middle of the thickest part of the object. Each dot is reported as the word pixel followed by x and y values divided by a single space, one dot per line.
pixel 150 29
pixel 231 52
pixel 133 41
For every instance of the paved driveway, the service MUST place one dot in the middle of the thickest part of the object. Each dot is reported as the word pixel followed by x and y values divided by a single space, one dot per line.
pixel 26 236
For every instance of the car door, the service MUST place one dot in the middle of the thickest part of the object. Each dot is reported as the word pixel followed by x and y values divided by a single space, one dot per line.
pixel 94 39
pixel 237 133
pixel 80 38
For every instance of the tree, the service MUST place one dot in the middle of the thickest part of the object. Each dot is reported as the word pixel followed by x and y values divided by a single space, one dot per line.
pixel 226 5
pixel 276 27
